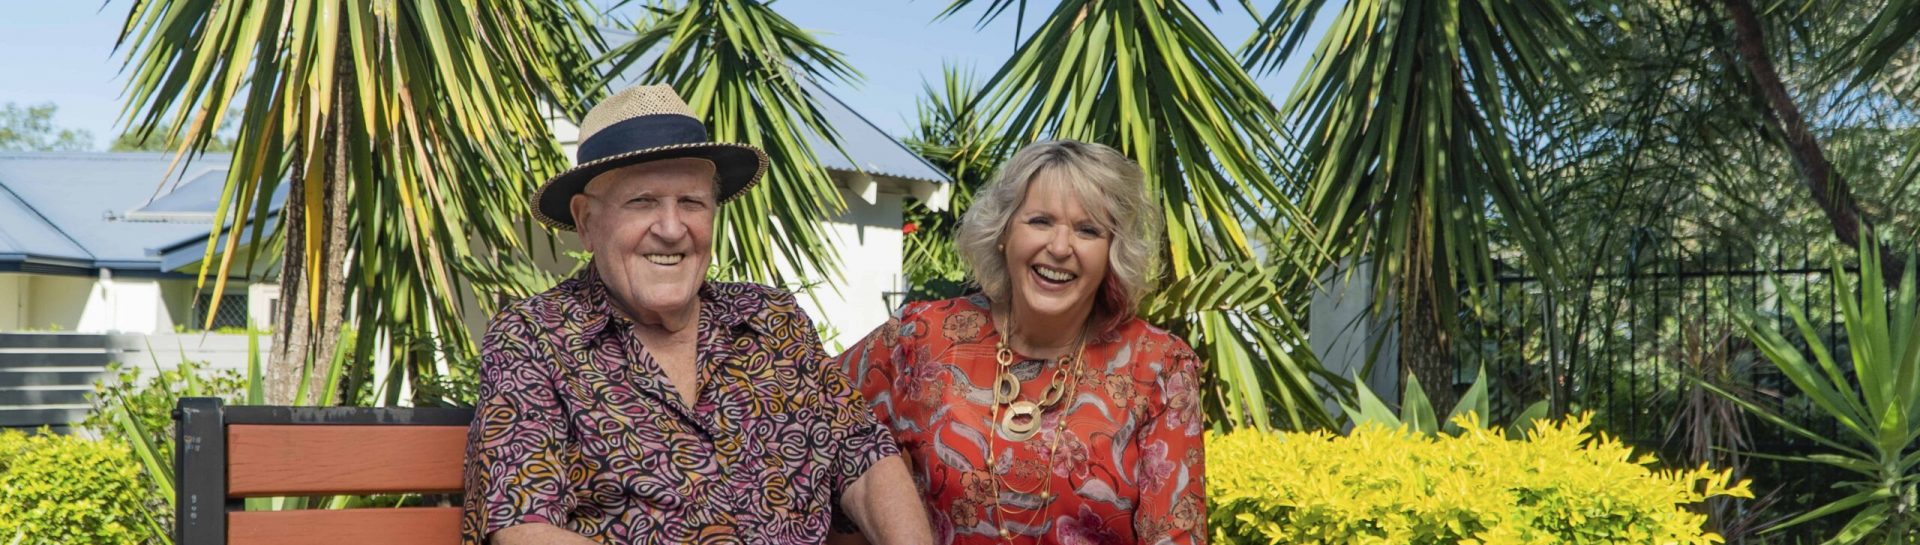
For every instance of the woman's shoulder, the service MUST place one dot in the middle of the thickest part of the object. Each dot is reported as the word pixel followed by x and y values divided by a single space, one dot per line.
pixel 966 316
pixel 1138 331
pixel 1151 345
pixel 942 307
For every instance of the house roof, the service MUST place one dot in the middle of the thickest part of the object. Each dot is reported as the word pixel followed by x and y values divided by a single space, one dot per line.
pixel 869 149
pixel 80 211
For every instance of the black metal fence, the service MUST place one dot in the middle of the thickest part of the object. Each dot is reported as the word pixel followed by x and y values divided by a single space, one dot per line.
pixel 1626 348
pixel 1623 346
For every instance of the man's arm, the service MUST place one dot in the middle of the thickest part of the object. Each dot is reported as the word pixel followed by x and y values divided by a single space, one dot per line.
pixel 883 503
pixel 538 533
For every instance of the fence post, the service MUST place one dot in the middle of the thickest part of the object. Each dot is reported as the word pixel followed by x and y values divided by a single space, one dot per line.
pixel 200 472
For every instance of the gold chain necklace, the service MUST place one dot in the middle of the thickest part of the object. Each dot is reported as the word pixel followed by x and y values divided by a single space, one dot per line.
pixel 1022 420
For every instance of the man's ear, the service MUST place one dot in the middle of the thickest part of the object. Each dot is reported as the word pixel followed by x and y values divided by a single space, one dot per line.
pixel 581 209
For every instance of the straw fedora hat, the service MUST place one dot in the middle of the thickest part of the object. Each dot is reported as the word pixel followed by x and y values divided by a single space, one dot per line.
pixel 643 123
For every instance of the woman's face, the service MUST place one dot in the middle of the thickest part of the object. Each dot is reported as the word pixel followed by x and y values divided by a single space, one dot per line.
pixel 1056 255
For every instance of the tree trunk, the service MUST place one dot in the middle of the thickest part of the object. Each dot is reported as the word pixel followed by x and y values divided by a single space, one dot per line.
pixel 1830 190
pixel 333 287
pixel 304 343
pixel 1425 353
pixel 290 331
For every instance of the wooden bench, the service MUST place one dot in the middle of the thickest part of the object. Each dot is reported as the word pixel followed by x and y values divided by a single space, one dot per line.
pixel 226 454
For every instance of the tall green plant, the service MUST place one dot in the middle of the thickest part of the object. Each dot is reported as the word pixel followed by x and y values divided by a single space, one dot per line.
pixel 1872 391
pixel 407 136
pixel 955 136
pixel 1407 150
pixel 1148 78
pixel 742 67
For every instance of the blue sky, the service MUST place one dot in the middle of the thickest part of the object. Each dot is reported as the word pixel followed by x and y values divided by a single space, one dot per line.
pixel 61 51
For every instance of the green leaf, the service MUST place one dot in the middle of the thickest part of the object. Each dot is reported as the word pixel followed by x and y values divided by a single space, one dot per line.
pixel 1415 410
pixel 1865 523
pixel 1473 402
pixel 1371 409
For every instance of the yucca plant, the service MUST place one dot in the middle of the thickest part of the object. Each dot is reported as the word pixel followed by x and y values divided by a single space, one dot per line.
pixel 1872 391
pixel 1407 146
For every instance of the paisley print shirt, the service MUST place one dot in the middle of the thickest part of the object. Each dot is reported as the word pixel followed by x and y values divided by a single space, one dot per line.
pixel 1127 469
pixel 576 427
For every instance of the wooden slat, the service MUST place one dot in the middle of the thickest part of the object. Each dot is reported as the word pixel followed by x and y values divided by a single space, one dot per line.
pixel 310 460
pixel 400 526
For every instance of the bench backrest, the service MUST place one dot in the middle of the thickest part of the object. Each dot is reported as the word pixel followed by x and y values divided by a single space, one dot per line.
pixel 226 454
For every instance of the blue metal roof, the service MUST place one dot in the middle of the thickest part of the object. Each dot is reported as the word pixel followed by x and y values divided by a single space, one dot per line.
pixel 868 148
pixel 103 210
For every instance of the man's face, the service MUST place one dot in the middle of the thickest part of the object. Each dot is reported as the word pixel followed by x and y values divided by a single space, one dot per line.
pixel 650 228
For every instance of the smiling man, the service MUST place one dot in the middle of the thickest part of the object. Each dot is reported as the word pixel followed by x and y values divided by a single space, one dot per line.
pixel 638 402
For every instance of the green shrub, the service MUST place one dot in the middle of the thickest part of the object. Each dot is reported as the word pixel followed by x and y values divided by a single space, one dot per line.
pixel 57 489
pixel 136 415
pixel 1382 485
pixel 150 402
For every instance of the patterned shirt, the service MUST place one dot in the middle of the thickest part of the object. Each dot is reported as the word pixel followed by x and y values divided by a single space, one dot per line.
pixel 1128 469
pixel 575 426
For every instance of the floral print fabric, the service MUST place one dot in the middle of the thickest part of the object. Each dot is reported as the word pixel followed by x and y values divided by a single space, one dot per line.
pixel 577 427
pixel 1128 469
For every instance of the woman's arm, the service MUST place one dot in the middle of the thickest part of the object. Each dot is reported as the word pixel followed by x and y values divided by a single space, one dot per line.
pixel 1172 463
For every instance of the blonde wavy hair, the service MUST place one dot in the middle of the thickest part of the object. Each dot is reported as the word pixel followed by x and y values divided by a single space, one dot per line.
pixel 1107 184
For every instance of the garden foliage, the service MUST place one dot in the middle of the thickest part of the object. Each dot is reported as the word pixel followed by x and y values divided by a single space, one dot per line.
pixel 1558 484
pixel 58 489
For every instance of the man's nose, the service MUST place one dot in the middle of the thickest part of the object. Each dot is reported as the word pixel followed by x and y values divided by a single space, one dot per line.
pixel 671 224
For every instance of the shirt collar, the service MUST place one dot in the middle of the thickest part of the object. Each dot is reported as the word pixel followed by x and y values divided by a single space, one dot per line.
pixel 730 308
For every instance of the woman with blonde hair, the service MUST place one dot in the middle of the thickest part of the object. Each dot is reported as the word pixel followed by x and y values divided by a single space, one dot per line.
pixel 1041 410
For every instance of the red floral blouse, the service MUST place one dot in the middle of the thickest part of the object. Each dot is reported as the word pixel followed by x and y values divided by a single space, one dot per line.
pixel 1128 469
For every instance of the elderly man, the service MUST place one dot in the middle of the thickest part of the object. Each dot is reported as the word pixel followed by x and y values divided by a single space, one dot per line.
pixel 639 403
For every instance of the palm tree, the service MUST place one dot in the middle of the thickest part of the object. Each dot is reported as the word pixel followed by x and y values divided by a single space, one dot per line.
pixel 741 65
pixel 1147 78
pixel 1407 149
pixel 955 137
pixel 408 135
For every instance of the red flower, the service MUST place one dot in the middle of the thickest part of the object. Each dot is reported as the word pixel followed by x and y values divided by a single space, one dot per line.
pixel 909 228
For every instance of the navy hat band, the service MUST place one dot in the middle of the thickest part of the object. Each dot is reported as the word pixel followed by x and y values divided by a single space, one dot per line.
pixel 638 133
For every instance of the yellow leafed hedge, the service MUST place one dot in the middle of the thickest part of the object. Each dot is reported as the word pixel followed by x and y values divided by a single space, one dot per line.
pixel 58 489
pixel 1379 485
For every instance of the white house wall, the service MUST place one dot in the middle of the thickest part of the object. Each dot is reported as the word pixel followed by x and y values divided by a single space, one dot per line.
pixel 124 305
pixel 176 299
pixel 56 302
pixel 868 241
pixel 13 302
